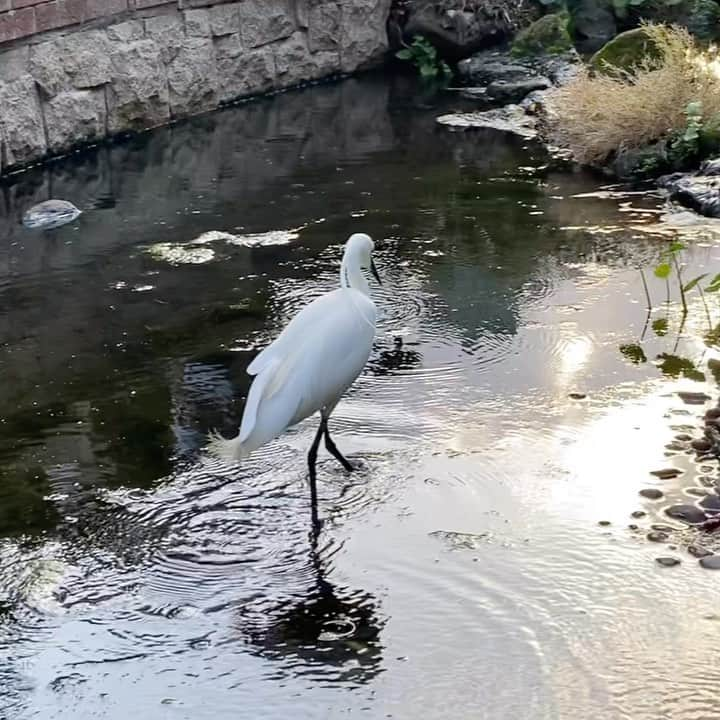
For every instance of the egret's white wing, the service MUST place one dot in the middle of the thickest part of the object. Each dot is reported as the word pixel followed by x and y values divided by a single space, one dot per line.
pixel 312 314
pixel 310 367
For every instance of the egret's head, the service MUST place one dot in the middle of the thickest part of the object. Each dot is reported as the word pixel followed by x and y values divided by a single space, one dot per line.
pixel 359 249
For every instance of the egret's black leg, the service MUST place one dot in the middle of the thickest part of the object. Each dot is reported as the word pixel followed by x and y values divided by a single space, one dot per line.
pixel 312 461
pixel 332 447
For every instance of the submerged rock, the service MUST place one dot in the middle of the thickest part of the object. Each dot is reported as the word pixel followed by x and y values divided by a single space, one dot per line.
pixel 511 118
pixel 667 561
pixel 694 398
pixel 651 493
pixel 701 445
pixel 686 513
pixel 710 503
pixel 710 562
pixel 50 214
pixel 666 473
pixel 698 551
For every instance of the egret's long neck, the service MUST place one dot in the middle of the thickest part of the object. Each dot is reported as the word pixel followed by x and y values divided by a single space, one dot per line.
pixel 351 276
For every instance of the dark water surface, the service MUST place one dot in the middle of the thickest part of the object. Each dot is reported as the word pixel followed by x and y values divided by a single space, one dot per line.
pixel 462 571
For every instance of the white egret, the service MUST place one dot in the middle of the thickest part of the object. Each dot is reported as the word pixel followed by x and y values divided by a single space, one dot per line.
pixel 311 364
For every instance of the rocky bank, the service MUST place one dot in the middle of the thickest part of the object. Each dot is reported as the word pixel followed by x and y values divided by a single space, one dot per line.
pixel 143 66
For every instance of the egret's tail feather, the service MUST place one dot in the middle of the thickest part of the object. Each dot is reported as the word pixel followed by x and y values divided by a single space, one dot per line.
pixel 228 450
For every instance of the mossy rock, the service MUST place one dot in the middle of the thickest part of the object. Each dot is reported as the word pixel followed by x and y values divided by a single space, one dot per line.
pixel 626 51
pixel 548 35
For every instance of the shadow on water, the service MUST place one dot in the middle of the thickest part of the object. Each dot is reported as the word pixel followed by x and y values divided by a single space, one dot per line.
pixel 329 627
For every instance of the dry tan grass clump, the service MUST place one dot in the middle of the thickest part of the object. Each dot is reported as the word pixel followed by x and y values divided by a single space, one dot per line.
pixel 598 115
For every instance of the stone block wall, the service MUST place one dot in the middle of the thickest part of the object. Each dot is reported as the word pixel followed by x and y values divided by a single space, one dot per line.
pixel 77 71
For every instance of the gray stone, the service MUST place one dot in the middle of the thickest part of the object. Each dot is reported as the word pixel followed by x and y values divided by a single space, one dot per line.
pixel 667 561
pixel 363 38
pixel 696 191
pixel 167 31
pixel 504 92
pixel 21 123
pixel 193 78
pixel 86 58
pixel 225 19
pixel 46 67
pixel 652 493
pixel 323 23
pixel 15 63
pixel 491 66
pixel 294 63
pixel 265 21
pixel 710 562
pixel 487 67
pixel 241 74
pixel 75 117
pixel 593 23
pixel 686 513
pixel 127 31
pixel 138 96
pixel 78 61
pixel 197 23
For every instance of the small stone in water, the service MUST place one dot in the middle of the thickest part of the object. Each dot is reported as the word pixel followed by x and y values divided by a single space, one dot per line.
pixel 651 494
pixel 701 445
pixel 603 523
pixel 710 562
pixel 707 480
pixel 696 491
pixel 711 503
pixel 686 513
pixel 694 398
pixel 667 561
pixel 665 473
pixel 683 437
pixel 50 214
pixel 698 551
pixel 675 445
pixel 638 513
pixel 633 526
pixel 577 396
pixel 712 413
pixel 662 528
pixel 657 536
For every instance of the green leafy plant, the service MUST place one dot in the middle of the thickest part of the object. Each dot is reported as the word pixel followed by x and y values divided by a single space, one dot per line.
pixel 425 58
pixel 684 145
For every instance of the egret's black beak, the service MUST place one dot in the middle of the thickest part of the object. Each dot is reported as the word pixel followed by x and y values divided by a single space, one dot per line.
pixel 374 271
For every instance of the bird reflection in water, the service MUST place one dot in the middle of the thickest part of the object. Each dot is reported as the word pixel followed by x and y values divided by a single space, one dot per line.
pixel 399 358
pixel 331 628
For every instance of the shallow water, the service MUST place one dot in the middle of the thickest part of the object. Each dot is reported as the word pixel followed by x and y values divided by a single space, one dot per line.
pixel 462 568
